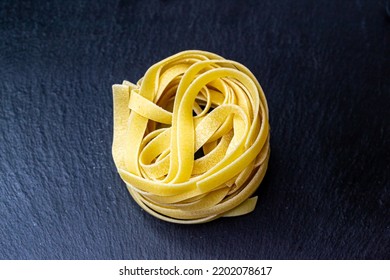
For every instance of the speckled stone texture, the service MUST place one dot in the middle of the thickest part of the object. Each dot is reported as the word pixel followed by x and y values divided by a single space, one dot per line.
pixel 324 66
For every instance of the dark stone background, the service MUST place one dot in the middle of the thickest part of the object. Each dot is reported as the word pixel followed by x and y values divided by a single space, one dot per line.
pixel 325 69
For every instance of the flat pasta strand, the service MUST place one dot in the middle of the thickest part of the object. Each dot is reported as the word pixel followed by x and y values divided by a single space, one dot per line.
pixel 191 138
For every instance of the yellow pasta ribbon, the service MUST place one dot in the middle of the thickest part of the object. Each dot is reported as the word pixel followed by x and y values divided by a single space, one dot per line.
pixel 191 138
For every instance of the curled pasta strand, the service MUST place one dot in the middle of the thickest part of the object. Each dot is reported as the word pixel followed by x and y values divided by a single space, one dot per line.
pixel 191 138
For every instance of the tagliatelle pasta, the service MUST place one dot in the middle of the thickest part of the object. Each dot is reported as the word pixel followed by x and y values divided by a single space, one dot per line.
pixel 191 138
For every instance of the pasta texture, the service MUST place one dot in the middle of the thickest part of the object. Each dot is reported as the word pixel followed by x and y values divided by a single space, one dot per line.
pixel 191 138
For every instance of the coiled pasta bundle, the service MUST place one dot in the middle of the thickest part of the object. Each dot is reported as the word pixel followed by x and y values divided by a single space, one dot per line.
pixel 191 138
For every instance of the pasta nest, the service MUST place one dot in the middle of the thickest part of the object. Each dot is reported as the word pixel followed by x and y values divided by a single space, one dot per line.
pixel 191 138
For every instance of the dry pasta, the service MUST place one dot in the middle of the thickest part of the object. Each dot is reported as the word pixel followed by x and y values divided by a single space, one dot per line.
pixel 191 138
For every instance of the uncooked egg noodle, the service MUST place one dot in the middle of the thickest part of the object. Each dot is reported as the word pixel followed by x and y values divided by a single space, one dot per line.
pixel 191 138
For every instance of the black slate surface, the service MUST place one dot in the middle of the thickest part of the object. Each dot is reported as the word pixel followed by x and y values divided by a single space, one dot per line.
pixel 324 66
